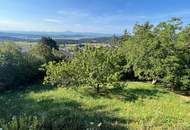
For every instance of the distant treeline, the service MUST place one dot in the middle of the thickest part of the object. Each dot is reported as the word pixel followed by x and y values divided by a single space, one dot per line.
pixel 62 41
pixel 87 40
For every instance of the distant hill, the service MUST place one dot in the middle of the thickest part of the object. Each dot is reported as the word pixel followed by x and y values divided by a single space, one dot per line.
pixel 68 35
pixel 4 38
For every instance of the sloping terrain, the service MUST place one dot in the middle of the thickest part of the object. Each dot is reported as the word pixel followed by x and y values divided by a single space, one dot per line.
pixel 137 106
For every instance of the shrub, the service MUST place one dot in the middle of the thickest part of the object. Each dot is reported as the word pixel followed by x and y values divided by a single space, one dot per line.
pixel 16 67
pixel 93 66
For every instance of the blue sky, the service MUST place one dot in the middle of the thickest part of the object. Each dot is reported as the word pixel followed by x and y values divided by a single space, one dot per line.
pixel 105 16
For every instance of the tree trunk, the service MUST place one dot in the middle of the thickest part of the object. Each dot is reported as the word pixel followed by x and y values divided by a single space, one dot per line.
pixel 98 88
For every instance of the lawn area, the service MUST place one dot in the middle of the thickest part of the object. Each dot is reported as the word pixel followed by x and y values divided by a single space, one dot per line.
pixel 137 106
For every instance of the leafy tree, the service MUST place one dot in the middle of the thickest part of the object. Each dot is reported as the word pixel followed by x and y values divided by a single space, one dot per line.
pixel 42 52
pixel 167 37
pixel 93 66
pixel 138 50
pixel 182 77
pixel 152 52
pixel 158 53
pixel 49 42
pixel 47 50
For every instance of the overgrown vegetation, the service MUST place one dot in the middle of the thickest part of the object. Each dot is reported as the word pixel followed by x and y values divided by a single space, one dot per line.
pixel 16 67
pixel 92 66
pixel 137 106
pixel 158 53
pixel 20 66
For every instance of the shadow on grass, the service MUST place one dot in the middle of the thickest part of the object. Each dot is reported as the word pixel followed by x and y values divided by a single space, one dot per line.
pixel 66 114
pixel 127 94
pixel 70 114
pixel 74 116
pixel 38 88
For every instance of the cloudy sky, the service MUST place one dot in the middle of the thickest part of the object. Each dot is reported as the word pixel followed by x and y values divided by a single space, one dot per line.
pixel 105 16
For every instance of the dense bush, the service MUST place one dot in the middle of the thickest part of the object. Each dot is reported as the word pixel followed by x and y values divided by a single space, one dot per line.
pixel 16 67
pixel 93 66
pixel 160 53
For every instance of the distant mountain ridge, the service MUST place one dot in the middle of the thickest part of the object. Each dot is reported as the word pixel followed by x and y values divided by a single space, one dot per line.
pixel 21 35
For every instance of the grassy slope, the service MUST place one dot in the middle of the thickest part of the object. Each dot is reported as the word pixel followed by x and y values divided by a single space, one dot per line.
pixel 137 106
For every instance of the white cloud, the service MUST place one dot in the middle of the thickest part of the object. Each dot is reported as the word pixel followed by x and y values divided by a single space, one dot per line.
pixel 81 21
pixel 12 23
pixel 20 25
pixel 51 20
pixel 9 24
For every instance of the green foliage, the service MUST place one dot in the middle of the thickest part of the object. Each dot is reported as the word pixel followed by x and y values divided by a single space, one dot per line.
pixel 42 52
pixel 47 50
pixel 93 66
pixel 49 42
pixel 159 53
pixel 16 67
pixel 138 50
pixel 22 123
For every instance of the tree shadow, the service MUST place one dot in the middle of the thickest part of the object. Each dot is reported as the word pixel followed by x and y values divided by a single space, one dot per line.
pixel 127 94
pixel 37 88
pixel 70 114
pixel 75 117
pixel 67 114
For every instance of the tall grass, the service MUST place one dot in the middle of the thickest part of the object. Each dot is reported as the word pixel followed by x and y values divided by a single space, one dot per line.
pixel 136 106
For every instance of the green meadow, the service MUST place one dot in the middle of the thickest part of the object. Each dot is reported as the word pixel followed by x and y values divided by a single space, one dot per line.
pixel 136 105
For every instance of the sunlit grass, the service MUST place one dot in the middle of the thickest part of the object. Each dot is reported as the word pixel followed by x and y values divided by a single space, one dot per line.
pixel 136 106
